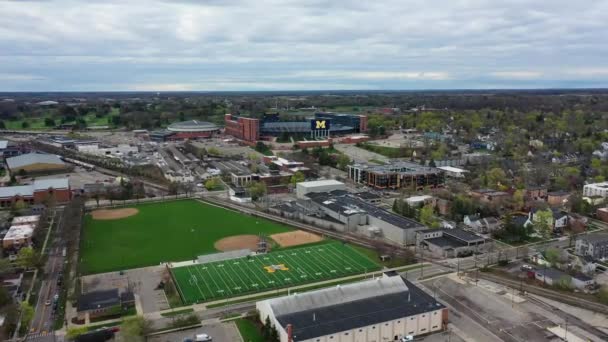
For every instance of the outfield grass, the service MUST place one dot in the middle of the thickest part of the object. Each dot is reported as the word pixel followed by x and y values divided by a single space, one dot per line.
pixel 168 231
pixel 229 278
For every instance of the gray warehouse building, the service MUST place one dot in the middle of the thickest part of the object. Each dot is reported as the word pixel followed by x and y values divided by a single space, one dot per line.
pixel 357 215
pixel 383 309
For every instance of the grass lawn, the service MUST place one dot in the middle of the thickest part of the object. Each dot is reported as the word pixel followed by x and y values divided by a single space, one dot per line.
pixel 296 266
pixel 249 331
pixel 168 231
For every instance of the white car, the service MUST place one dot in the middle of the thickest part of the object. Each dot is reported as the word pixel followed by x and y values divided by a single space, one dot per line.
pixel 407 338
pixel 202 338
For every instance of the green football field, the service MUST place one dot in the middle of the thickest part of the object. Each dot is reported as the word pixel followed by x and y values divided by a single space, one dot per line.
pixel 295 266
pixel 161 232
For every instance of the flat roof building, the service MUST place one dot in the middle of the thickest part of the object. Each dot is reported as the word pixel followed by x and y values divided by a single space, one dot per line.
pixel 396 175
pixel 304 188
pixel 596 190
pixel 36 163
pixel 383 309
pixel 38 192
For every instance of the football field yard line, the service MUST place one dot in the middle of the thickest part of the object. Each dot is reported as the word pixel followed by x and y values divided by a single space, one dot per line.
pixel 305 263
pixel 247 272
pixel 196 282
pixel 223 267
pixel 300 267
pixel 202 270
pixel 217 286
pixel 344 254
pixel 347 264
pixel 239 276
pixel 178 286
pixel 206 284
pixel 221 276
pixel 262 263
pixel 269 279
pixel 320 254
pixel 280 275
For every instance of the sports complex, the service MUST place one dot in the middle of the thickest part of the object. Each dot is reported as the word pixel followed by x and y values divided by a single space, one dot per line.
pixel 211 252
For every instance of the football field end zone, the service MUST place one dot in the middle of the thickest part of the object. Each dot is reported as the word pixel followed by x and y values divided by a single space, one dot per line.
pixel 222 281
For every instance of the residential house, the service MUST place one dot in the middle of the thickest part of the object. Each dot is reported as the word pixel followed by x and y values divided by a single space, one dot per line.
pixel 103 303
pixel 552 276
pixel 602 214
pixel 490 196
pixel 482 225
pixel 536 193
pixel 557 198
pixel 593 245
pixel 559 219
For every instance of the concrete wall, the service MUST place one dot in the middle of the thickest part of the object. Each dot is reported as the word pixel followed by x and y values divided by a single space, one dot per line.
pixel 387 331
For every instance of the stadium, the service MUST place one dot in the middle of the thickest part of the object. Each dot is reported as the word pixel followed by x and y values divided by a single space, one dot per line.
pixel 192 129
pixel 322 125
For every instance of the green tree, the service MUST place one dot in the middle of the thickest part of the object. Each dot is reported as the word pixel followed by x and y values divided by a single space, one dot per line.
pixel 49 122
pixel 543 222
pixel 72 333
pixel 5 266
pixel 496 177
pixel 297 178
pixel 27 313
pixel 274 335
pixel 602 295
pixel 266 329
pixel 133 329
pixel 518 199
pixel 564 282
pixel 27 257
pixel 427 216
pixel 25 124
pixel 256 190
pixel 212 183
pixel 343 161
pixel 552 255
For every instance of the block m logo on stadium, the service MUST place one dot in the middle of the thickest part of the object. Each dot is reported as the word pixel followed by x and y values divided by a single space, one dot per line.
pixel 320 124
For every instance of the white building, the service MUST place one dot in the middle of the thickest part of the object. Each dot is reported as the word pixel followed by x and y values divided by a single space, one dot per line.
pixel 596 189
pixel 453 172
pixel 114 151
pixel 382 309
pixel 304 188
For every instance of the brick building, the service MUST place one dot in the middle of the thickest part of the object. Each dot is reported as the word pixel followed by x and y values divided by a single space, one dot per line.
pixel 38 192
pixel 247 129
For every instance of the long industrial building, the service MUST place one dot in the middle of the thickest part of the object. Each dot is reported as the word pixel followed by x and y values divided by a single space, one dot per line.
pixel 383 309
pixel 396 175
pixel 359 216
pixel 322 125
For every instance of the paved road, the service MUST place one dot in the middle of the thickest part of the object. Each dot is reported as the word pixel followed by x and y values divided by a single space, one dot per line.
pixel 42 322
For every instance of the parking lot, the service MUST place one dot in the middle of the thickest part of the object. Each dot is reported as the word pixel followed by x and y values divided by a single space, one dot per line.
pixel 220 332
pixel 143 281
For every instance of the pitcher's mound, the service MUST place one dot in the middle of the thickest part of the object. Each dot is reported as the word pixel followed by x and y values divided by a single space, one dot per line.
pixel 298 237
pixel 236 242
pixel 113 214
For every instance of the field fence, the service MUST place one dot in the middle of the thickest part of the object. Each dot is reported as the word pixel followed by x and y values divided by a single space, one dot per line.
pixel 92 204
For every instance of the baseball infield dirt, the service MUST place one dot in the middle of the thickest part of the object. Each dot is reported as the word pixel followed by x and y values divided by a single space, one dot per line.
pixel 113 214
pixel 298 237
pixel 232 243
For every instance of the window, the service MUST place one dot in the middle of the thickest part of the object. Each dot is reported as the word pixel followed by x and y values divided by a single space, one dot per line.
pixel 373 327
pixel 411 319
pixel 360 330
pixel 345 334
pixel 423 315
pixel 386 325
pixel 423 329
pixel 410 333
pixel 331 337
pixel 434 327
pixel 435 313
pixel 398 322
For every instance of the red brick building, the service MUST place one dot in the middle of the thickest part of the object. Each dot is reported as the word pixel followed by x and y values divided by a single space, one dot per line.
pixel 38 192
pixel 247 129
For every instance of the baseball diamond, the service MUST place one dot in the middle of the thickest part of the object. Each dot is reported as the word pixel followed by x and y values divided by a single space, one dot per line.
pixel 296 266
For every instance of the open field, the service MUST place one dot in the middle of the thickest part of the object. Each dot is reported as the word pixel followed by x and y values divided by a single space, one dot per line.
pixel 278 269
pixel 161 232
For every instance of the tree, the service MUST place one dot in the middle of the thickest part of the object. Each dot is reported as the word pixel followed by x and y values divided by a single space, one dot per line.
pixel 343 161
pixel 602 295
pixel 25 124
pixel 27 257
pixel 564 282
pixel 427 217
pixel 274 335
pixel 5 266
pixel 552 255
pixel 75 332
pixel 266 329
pixel 297 178
pixel 173 188
pixel 518 199
pixel 27 313
pixel 543 221
pixel 256 190
pixel 49 122
pixel 212 183
pixel 133 329
pixel 496 177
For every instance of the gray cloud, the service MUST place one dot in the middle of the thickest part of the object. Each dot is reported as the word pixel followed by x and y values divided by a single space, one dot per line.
pixel 291 44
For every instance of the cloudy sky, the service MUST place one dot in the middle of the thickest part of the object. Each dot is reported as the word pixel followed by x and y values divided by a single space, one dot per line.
pixel 108 45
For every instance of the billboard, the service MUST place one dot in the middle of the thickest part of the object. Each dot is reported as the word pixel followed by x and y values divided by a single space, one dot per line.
pixel 320 124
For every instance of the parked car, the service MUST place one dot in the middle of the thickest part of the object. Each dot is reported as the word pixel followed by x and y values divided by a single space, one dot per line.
pixel 202 338
pixel 526 267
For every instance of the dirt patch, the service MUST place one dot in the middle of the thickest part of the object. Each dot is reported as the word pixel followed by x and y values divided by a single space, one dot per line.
pixel 236 242
pixel 113 214
pixel 298 237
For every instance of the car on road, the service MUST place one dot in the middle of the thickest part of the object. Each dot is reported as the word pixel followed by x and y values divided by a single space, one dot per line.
pixel 407 338
pixel 526 267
